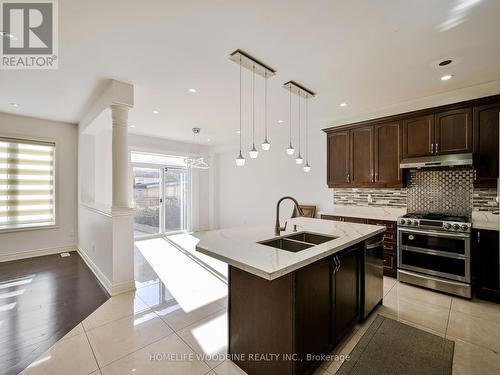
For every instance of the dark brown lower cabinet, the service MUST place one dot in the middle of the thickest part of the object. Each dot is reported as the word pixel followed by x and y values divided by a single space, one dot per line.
pixel 313 324
pixel 486 264
pixel 390 247
pixel 296 317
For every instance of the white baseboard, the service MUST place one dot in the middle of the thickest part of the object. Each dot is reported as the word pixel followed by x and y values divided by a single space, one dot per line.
pixel 36 253
pixel 112 290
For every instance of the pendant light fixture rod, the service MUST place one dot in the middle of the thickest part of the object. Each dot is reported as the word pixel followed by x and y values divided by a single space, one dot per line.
pixel 265 107
pixel 290 116
pixel 253 107
pixel 307 125
pixel 299 123
pixel 240 105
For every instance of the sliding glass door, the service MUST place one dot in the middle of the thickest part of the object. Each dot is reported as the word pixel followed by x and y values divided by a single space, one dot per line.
pixel 160 196
pixel 147 200
pixel 175 199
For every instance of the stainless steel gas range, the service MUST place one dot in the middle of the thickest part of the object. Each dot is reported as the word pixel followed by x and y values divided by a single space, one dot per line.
pixel 434 252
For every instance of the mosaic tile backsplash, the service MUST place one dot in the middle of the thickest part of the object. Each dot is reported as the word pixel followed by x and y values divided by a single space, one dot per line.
pixel 447 191
pixel 482 199
pixel 370 197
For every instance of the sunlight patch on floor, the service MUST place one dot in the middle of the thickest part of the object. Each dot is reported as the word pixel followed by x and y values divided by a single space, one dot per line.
pixel 190 284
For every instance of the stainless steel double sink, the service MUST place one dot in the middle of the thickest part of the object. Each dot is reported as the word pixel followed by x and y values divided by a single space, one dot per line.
pixel 297 241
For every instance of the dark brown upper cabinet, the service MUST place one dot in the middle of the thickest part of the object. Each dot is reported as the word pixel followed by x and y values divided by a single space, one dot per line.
pixel 486 124
pixel 368 153
pixel 361 156
pixel 418 136
pixel 388 154
pixel 338 159
pixel 453 131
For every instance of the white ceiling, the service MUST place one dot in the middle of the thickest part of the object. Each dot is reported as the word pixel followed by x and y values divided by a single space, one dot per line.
pixel 370 54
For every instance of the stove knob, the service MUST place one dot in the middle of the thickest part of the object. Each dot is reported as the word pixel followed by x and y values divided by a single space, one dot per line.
pixel 402 222
pixel 447 225
pixel 415 223
pixel 408 222
pixel 456 226
pixel 464 227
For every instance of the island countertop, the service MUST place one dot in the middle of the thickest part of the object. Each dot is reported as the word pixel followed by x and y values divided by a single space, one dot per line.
pixel 240 247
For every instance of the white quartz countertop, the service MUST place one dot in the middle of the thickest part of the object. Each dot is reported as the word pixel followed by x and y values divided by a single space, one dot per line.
pixel 485 220
pixel 239 246
pixel 366 212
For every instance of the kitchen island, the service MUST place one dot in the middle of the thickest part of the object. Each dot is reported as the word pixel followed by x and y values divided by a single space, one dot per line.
pixel 292 297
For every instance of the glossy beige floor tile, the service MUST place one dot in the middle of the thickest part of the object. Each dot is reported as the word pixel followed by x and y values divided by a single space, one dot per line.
pixel 341 353
pixel 140 362
pixel 115 308
pixel 75 331
pixel 228 368
pixel 121 337
pixel 71 356
pixel 415 294
pixel 154 295
pixel 433 317
pixel 178 317
pixel 472 359
pixel 478 308
pixel 208 337
pixel 474 330
pixel 389 283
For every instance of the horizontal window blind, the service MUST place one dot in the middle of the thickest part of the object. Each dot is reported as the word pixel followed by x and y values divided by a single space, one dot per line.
pixel 26 183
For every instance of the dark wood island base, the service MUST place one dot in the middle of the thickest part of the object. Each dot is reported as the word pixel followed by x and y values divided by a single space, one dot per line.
pixel 283 326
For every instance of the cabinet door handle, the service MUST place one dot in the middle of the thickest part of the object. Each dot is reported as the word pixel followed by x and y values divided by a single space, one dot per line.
pixel 348 178
pixel 431 147
pixel 437 148
pixel 478 237
pixel 475 175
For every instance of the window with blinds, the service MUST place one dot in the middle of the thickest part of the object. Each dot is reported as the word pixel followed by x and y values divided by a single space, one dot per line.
pixel 27 193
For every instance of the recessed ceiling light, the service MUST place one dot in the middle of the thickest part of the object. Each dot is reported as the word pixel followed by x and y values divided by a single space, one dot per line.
pixel 192 90
pixel 446 77
pixel 132 126
pixel 208 139
pixel 156 112
pixel 15 105
pixel 280 121
pixel 343 104
pixel 445 62
pixel 238 132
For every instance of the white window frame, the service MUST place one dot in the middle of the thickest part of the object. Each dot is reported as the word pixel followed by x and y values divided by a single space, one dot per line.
pixel 35 139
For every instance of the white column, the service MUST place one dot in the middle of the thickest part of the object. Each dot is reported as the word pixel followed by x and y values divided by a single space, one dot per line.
pixel 119 114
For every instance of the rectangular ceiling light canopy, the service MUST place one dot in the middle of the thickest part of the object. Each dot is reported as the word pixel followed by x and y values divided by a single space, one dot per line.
pixel 298 90
pixel 249 62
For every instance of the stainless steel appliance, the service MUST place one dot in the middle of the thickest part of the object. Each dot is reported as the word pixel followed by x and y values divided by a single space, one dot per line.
pixel 434 252
pixel 373 289
pixel 452 160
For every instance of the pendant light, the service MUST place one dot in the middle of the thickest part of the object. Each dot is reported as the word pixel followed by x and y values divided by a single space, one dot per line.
pixel 240 160
pixel 299 159
pixel 265 145
pixel 253 152
pixel 196 162
pixel 307 167
pixel 290 150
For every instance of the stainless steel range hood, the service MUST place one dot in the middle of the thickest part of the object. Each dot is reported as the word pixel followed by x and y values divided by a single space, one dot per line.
pixel 437 161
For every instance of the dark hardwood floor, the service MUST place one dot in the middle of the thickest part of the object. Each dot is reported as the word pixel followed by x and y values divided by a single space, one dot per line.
pixel 42 299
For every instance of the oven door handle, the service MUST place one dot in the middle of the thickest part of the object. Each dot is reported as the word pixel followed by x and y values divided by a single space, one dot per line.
pixel 434 252
pixel 436 234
